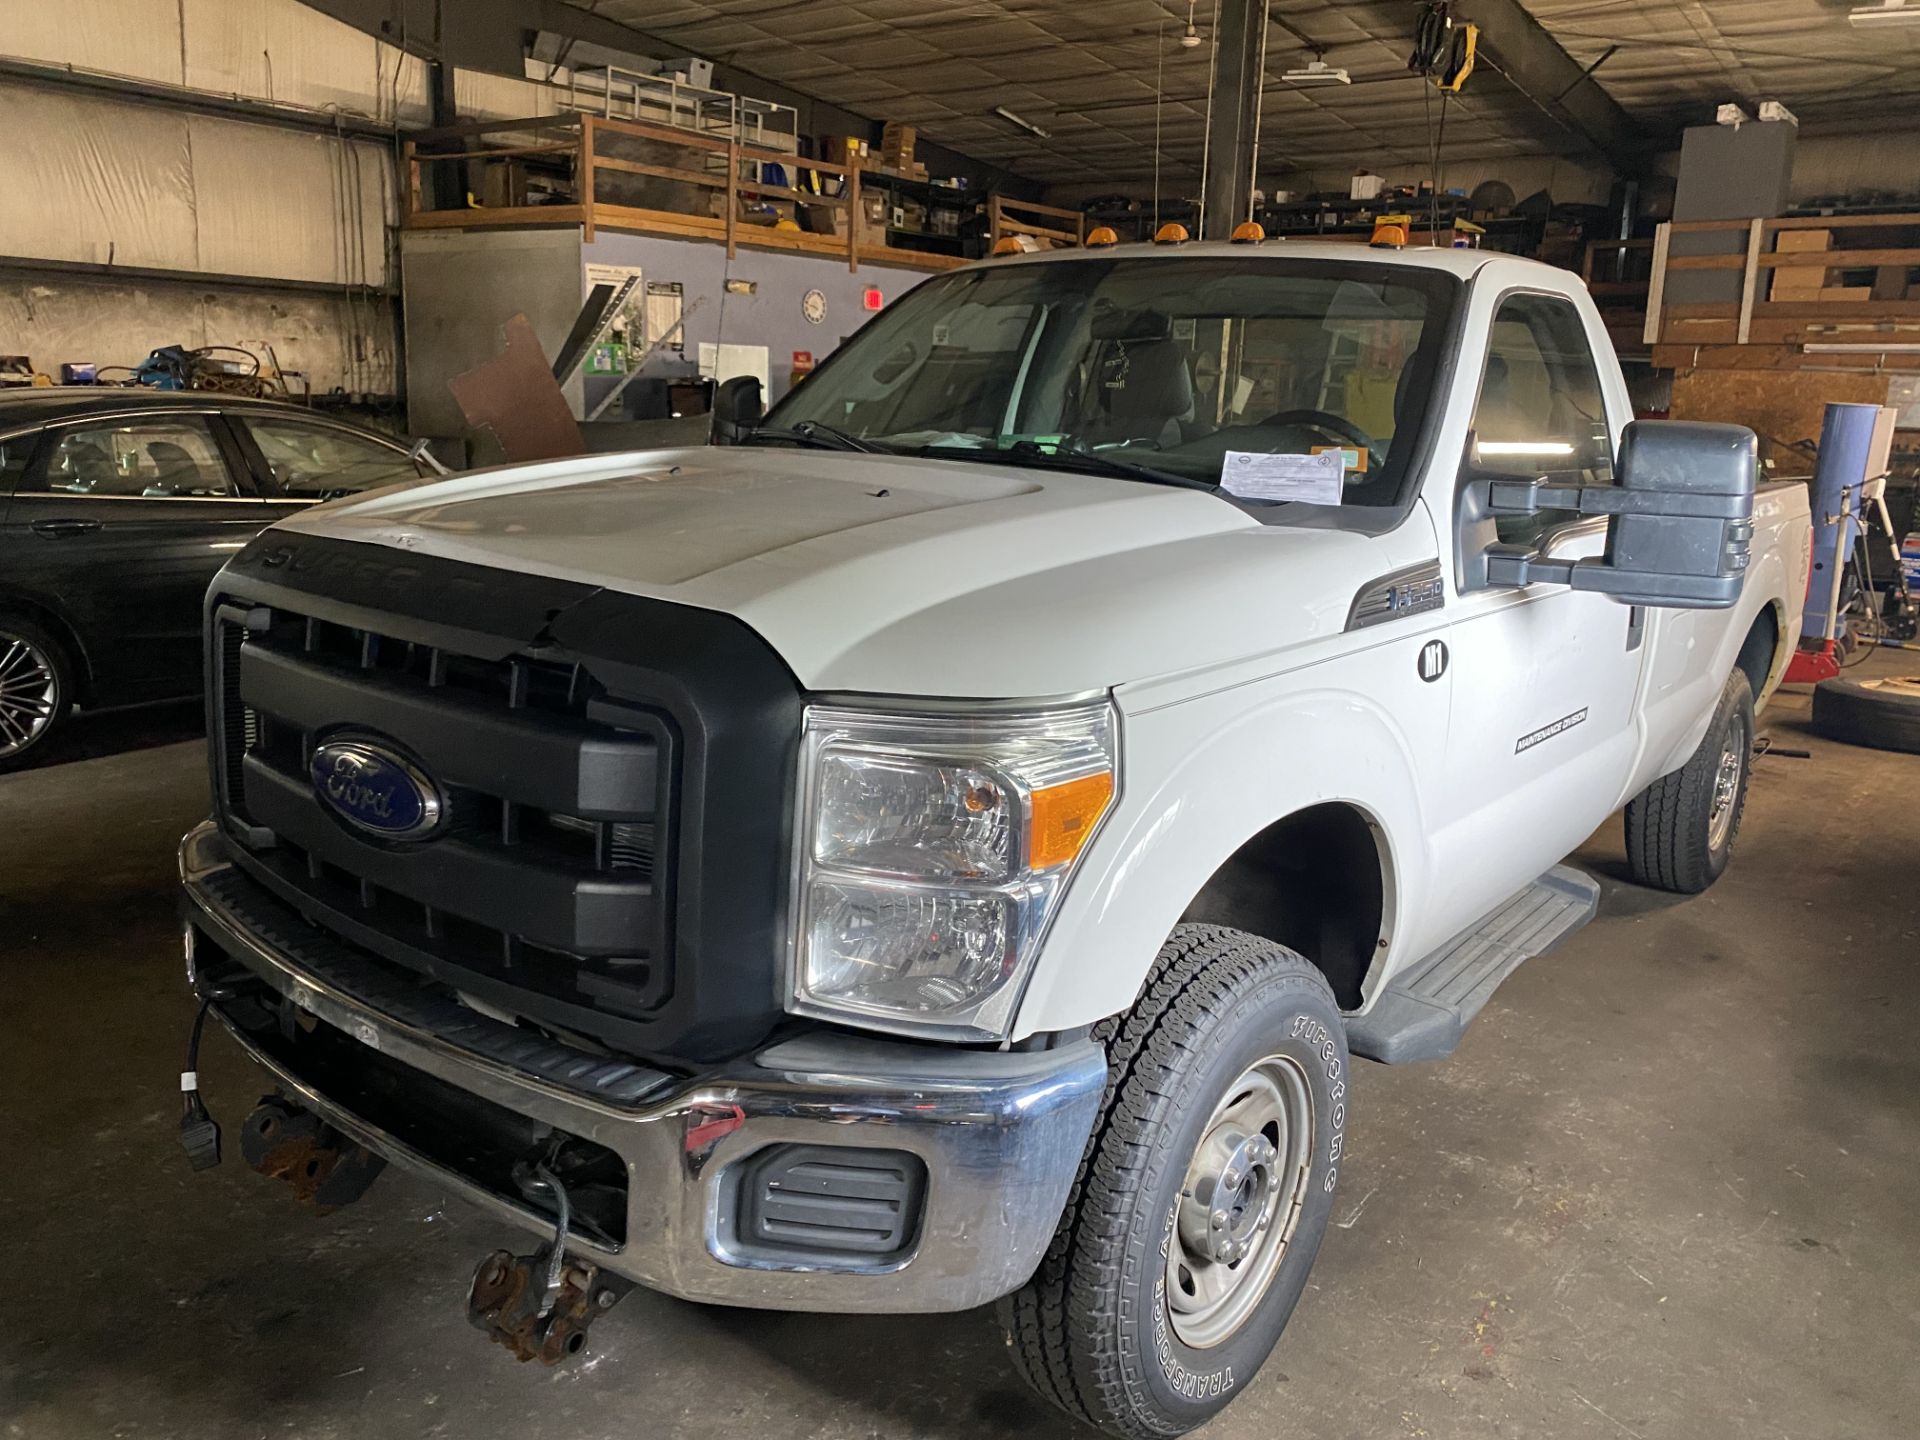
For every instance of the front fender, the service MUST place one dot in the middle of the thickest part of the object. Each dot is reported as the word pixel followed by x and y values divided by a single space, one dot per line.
pixel 1201 778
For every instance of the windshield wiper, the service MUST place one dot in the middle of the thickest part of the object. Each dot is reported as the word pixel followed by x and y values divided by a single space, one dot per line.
pixel 1075 458
pixel 823 437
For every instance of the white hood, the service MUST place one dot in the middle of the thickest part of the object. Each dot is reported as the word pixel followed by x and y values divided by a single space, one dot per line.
pixel 875 574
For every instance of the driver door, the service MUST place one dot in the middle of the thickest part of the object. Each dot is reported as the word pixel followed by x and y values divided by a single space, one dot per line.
pixel 1544 728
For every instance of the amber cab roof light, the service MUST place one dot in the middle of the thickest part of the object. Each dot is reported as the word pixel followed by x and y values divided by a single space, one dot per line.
pixel 1249 233
pixel 1101 236
pixel 1391 232
pixel 1172 233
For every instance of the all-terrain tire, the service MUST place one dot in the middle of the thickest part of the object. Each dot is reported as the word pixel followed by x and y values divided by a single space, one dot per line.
pixel 1093 1331
pixel 1681 828
pixel 36 689
pixel 1882 713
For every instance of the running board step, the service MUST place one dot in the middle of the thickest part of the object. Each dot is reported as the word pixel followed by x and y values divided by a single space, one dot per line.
pixel 1425 1011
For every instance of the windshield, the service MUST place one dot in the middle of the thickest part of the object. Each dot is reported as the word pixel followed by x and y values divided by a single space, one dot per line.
pixel 1172 364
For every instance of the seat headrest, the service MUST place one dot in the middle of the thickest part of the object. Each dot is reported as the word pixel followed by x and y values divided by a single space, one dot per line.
pixel 1147 378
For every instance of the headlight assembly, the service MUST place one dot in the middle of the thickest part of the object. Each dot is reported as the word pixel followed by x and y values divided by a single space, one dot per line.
pixel 932 853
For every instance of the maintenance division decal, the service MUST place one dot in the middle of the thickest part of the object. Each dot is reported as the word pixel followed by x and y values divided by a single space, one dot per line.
pixel 1547 732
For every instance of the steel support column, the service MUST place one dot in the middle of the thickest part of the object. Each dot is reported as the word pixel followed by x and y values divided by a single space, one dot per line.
pixel 1233 119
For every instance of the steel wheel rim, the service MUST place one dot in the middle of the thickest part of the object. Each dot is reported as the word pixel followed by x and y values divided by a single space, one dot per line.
pixel 29 693
pixel 1726 784
pixel 1240 1202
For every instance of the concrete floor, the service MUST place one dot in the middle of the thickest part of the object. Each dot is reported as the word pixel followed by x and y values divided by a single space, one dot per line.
pixel 1667 1187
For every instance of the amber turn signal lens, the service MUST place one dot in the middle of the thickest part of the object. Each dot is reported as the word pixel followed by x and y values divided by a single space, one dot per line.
pixel 1063 816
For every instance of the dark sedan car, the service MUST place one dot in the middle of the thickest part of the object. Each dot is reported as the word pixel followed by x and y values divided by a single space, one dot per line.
pixel 116 508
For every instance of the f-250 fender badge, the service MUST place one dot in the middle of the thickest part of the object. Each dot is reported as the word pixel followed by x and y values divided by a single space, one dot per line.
pixel 1433 660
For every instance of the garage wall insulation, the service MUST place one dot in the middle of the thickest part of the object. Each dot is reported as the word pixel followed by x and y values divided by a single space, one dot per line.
pixel 273 50
pixel 114 182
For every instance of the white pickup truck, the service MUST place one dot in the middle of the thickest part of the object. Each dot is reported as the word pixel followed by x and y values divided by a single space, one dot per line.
pixel 942 843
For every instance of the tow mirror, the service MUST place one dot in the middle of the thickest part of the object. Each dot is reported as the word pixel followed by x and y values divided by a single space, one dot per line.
pixel 737 409
pixel 1679 528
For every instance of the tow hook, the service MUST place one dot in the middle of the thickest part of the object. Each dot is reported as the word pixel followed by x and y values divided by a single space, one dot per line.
pixel 540 1305
pixel 325 1169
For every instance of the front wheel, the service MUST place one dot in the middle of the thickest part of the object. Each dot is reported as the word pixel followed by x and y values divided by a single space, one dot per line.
pixel 1202 1196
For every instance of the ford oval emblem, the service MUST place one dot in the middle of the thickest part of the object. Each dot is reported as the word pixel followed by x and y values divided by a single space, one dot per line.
pixel 376 788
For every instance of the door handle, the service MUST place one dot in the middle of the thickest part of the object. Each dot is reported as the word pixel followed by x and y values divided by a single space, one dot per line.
pixel 64 527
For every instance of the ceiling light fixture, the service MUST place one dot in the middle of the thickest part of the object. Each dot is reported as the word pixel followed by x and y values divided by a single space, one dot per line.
pixel 1025 124
pixel 1318 72
pixel 1888 12
pixel 1191 39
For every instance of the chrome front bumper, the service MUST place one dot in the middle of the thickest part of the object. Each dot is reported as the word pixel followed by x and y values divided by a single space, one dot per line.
pixel 1001 1133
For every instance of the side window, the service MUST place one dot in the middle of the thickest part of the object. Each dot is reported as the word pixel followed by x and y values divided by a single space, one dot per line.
pixel 1541 411
pixel 15 452
pixel 157 459
pixel 309 461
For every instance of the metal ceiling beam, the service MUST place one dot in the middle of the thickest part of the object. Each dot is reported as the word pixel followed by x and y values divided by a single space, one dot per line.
pixel 1520 49
pixel 1233 114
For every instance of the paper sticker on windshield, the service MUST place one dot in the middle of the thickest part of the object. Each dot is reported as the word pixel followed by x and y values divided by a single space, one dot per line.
pixel 1307 479
pixel 1351 456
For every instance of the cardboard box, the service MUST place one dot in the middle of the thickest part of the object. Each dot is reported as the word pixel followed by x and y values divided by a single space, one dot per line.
pixel 1786 240
pixel 1367 187
pixel 896 145
pixel 1846 294
pixel 1796 283
pixel 826 219
pixel 503 184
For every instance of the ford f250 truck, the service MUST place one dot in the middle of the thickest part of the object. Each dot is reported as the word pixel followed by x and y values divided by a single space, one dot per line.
pixel 943 842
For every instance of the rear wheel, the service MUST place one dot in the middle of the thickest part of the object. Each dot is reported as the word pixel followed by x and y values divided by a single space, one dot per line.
pixel 1681 828
pixel 35 688
pixel 1202 1196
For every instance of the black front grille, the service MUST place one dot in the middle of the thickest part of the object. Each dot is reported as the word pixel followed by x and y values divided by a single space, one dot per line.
pixel 618 772
pixel 547 878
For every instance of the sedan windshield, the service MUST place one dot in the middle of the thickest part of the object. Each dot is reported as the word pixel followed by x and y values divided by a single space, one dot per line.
pixel 1165 365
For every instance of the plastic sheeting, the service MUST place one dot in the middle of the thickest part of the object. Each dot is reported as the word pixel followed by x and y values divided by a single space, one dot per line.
pixel 112 182
pixel 104 184
pixel 275 50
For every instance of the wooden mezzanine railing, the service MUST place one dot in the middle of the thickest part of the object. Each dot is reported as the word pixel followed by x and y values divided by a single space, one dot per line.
pixel 601 172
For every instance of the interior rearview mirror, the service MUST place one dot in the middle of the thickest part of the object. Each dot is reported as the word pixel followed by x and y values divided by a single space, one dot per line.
pixel 737 409
pixel 1679 526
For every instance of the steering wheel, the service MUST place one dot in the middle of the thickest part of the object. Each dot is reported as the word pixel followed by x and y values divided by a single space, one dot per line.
pixel 1338 426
